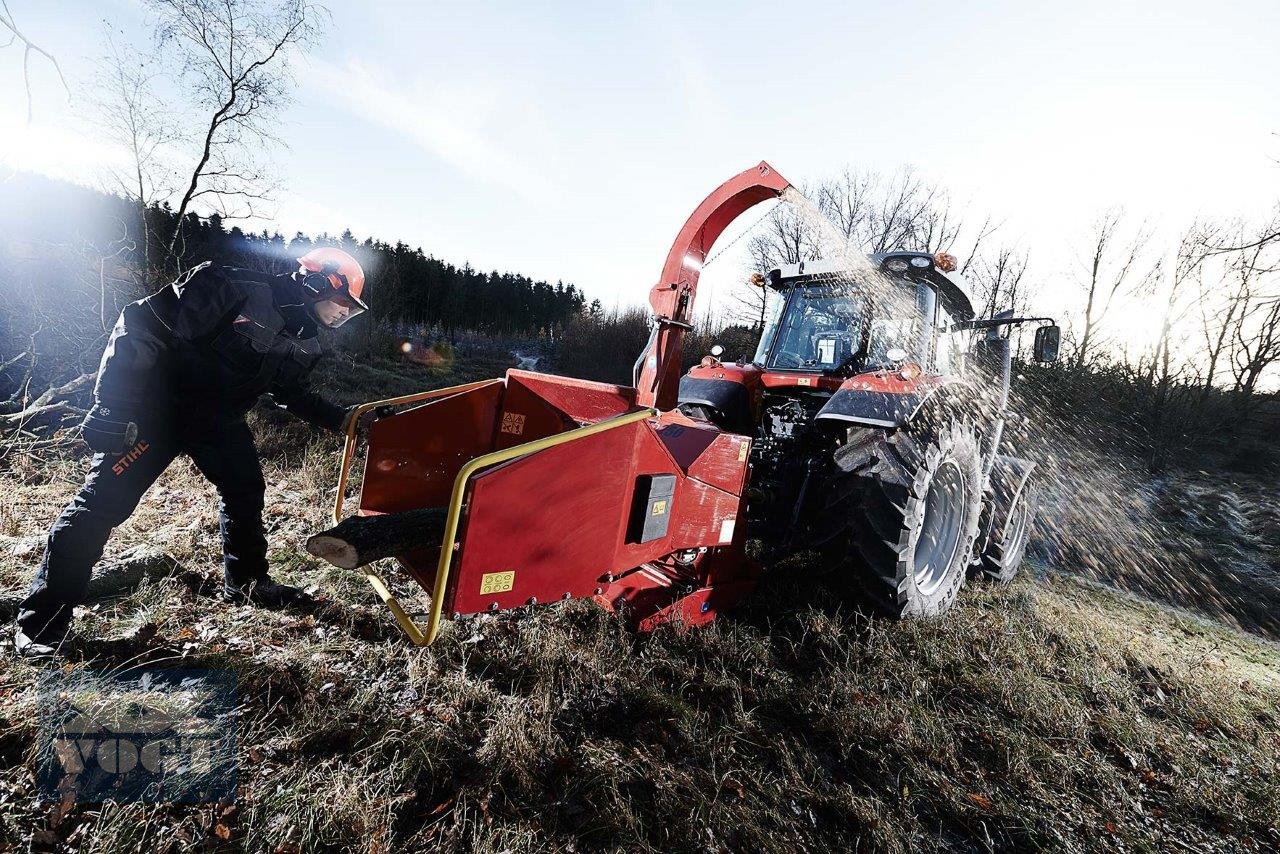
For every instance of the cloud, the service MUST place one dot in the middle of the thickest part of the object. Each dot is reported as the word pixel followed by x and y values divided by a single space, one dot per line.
pixel 447 122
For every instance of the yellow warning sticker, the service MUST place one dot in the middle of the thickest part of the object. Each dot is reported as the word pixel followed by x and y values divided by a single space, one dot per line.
pixel 497 582
pixel 804 381
pixel 659 507
pixel 742 450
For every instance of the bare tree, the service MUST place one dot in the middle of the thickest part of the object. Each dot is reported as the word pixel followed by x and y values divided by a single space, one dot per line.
pixel 1175 306
pixel 1217 319
pixel 1257 344
pixel 869 212
pixel 234 55
pixel 1112 269
pixel 133 116
pixel 1164 380
pixel 1265 237
pixel 29 48
pixel 876 213
pixel 783 238
pixel 998 280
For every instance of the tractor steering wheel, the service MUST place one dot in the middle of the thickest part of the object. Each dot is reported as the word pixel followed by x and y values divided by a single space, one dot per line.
pixel 788 355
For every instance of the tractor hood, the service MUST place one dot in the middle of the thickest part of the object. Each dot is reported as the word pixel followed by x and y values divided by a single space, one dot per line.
pixel 879 399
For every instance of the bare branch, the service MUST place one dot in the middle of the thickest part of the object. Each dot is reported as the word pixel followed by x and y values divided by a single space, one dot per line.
pixel 28 48
pixel 234 53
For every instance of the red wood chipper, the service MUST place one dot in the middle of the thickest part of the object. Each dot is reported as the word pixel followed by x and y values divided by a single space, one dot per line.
pixel 536 488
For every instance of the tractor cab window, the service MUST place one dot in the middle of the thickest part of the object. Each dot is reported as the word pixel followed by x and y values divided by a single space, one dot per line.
pixel 896 324
pixel 838 326
pixel 771 316
pixel 892 333
pixel 949 356
pixel 819 329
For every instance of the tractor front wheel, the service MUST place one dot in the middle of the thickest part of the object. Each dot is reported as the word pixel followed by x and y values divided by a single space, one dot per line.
pixel 906 519
pixel 1003 555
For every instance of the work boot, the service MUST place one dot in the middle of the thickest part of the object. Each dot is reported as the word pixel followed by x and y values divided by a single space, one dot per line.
pixel 34 648
pixel 266 593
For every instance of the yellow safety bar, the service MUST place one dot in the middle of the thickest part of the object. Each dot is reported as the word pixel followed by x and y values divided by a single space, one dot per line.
pixel 423 637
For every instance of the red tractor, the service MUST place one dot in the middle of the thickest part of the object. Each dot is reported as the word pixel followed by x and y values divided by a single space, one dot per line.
pixel 877 420
pixel 867 427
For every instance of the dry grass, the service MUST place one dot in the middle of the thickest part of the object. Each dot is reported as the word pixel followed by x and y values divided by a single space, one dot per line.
pixel 1052 715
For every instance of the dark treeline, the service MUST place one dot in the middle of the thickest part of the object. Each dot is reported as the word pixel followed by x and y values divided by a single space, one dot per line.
pixel 405 283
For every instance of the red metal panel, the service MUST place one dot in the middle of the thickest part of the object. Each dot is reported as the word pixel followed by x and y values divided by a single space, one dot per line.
pixel 558 519
pixel 890 382
pixel 724 464
pixel 553 517
pixel 539 405
pixel 748 375
pixel 685 439
pixel 527 416
pixel 783 379
pixel 582 401
pixel 664 591
pixel 701 515
pixel 415 455
pixel 704 452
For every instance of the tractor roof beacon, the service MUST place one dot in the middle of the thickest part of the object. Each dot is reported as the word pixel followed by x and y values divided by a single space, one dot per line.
pixel 867 428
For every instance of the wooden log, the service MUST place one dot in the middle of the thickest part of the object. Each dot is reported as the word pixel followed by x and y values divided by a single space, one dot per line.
pixel 122 575
pixel 361 540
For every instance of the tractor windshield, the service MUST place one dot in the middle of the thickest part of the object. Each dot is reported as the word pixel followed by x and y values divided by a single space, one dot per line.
pixel 831 327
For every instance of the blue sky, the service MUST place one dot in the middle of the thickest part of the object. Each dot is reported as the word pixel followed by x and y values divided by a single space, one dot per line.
pixel 570 140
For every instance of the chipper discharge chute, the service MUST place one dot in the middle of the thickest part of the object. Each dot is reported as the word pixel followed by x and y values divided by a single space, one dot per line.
pixel 534 488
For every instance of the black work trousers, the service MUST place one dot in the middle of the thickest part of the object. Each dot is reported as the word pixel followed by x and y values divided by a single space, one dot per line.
pixel 223 452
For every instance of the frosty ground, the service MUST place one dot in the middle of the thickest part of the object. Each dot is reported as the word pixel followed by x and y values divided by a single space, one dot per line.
pixel 1057 714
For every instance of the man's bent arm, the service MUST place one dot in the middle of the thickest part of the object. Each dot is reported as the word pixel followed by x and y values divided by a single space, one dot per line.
pixel 303 402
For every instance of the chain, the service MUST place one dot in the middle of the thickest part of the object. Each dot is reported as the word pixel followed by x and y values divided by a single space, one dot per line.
pixel 707 263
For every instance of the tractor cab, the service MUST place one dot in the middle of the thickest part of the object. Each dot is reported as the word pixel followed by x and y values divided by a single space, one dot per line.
pixel 831 334
pixel 823 319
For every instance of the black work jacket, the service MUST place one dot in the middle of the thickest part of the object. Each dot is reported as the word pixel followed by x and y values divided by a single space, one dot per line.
pixel 209 345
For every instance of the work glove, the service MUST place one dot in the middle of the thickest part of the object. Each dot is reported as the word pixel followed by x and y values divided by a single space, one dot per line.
pixel 365 418
pixel 108 431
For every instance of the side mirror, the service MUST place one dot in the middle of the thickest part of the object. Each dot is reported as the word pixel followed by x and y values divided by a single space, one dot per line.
pixel 717 350
pixel 1047 340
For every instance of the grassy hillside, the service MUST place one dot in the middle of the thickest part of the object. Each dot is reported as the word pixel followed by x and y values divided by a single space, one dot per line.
pixel 1054 714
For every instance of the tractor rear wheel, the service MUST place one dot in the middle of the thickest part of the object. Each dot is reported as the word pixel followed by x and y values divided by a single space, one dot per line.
pixel 902 524
pixel 1003 555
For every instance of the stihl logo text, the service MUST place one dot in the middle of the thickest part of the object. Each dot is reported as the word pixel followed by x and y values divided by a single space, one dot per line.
pixel 127 460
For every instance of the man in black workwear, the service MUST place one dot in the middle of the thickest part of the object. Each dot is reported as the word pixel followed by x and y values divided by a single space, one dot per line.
pixel 180 371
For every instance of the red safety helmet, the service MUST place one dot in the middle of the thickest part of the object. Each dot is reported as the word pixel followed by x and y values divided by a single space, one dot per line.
pixel 332 274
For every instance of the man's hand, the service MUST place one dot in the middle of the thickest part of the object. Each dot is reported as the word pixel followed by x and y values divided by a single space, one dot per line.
pixel 362 423
pixel 108 431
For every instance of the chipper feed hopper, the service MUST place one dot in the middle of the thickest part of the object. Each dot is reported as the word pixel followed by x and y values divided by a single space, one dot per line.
pixel 535 488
